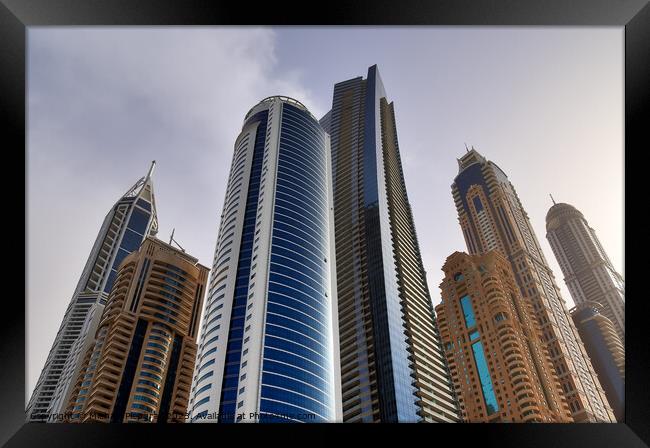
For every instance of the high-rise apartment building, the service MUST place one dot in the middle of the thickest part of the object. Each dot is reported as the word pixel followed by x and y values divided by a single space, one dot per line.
pixel 606 351
pixel 128 222
pixel 268 347
pixel 588 272
pixel 140 366
pixel 392 365
pixel 492 217
pixel 500 367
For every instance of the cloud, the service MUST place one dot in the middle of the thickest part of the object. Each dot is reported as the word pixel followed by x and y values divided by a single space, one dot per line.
pixel 102 103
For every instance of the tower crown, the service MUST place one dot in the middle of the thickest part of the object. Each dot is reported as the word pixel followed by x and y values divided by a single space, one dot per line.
pixel 472 157
pixel 561 212
pixel 270 99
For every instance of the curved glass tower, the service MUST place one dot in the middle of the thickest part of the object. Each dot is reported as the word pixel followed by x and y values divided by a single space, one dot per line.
pixel 268 347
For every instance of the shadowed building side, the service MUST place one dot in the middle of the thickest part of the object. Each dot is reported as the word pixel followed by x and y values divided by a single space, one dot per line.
pixel 606 351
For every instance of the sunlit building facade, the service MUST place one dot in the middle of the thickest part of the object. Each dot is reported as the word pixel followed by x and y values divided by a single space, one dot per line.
pixel 268 349
pixel 492 217
pixel 139 368
pixel 392 365
pixel 501 370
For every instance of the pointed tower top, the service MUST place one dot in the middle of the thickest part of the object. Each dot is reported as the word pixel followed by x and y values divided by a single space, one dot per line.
pixel 151 168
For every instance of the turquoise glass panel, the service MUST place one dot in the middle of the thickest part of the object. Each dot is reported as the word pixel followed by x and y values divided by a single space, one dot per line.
pixel 486 380
pixel 466 304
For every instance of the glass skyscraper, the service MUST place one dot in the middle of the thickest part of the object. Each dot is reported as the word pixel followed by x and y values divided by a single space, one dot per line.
pixel 392 366
pixel 268 348
pixel 129 221
pixel 492 217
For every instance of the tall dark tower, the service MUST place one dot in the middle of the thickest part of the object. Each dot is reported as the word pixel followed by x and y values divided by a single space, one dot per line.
pixel 492 218
pixel 392 365
pixel 605 350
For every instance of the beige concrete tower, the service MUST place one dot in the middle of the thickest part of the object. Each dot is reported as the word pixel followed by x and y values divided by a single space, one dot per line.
pixel 492 218
pixel 500 368
pixel 588 271
pixel 140 366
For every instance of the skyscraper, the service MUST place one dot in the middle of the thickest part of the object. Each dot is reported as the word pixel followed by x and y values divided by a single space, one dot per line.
pixel 392 365
pixel 128 222
pixel 268 347
pixel 588 272
pixel 606 351
pixel 140 366
pixel 500 367
pixel 492 218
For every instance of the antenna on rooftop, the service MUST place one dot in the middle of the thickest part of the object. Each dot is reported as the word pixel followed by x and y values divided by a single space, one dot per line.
pixel 172 240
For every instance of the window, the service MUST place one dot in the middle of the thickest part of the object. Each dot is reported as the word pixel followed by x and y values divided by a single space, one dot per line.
pixel 466 304
pixel 202 401
pixel 485 378
pixel 478 205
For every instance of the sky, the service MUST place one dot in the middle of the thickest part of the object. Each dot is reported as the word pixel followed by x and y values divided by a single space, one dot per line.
pixel 544 103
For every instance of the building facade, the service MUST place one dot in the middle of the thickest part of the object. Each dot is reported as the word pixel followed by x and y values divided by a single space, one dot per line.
pixel 392 365
pixel 128 222
pixel 500 367
pixel 140 367
pixel 268 348
pixel 606 351
pixel 588 272
pixel 492 217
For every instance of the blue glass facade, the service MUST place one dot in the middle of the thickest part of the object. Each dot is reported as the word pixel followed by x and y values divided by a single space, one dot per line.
pixel 297 368
pixel 230 383
pixel 396 391
pixel 134 234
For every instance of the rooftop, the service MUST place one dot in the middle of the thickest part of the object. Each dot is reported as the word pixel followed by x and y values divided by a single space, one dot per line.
pixel 270 99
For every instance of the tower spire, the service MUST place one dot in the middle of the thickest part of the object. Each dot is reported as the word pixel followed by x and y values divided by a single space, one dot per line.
pixel 151 168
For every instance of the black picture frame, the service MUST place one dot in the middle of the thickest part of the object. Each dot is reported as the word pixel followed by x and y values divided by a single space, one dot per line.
pixel 17 15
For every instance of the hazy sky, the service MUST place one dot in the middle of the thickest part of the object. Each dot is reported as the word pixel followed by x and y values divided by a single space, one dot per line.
pixel 546 104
